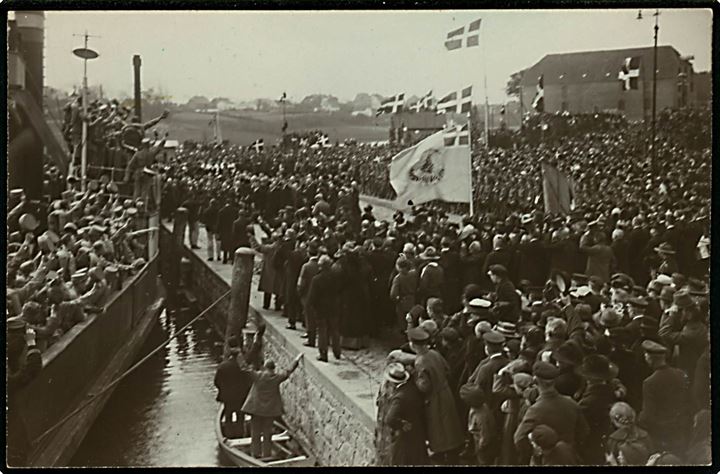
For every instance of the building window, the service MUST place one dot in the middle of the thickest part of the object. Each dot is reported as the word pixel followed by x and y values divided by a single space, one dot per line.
pixel 621 105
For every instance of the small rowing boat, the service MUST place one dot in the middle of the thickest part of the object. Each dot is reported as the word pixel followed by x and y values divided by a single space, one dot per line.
pixel 287 451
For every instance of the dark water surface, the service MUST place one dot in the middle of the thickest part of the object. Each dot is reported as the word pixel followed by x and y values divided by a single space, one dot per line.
pixel 163 413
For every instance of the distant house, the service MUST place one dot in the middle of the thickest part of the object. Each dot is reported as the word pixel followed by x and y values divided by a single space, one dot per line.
pixel 367 112
pixel 589 81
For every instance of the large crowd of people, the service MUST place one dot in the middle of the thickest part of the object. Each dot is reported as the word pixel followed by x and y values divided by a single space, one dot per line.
pixel 65 258
pixel 522 337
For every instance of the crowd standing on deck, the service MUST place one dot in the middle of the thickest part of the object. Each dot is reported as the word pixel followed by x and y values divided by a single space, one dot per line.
pixel 523 338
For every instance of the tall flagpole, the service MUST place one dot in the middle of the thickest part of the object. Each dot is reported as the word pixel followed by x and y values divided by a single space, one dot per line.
pixel 470 167
pixel 487 107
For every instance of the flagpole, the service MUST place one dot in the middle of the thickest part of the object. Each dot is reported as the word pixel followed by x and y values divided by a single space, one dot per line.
pixel 470 170
pixel 218 133
pixel 487 107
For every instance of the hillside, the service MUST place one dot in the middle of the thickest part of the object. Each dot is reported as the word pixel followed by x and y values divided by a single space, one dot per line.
pixel 243 127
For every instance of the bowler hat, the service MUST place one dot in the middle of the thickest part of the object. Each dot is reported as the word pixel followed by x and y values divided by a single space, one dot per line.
pixel 569 353
pixel 638 302
pixel 596 366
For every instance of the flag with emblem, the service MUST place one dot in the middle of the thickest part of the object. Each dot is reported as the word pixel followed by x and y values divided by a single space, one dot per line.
pixel 466 36
pixel 391 105
pixel 458 102
pixel 258 145
pixel 538 102
pixel 324 140
pixel 629 74
pixel 431 170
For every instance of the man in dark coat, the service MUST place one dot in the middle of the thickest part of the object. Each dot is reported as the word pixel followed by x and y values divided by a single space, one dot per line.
pixel 224 227
pixel 559 412
pixel 595 402
pixel 666 400
pixel 484 417
pixel 233 382
pixel 322 300
pixel 505 293
pixel 382 262
pixel 240 233
pixel 533 264
pixel 298 256
pixel 405 417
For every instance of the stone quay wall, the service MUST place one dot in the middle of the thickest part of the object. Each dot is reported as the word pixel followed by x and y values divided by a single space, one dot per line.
pixel 319 406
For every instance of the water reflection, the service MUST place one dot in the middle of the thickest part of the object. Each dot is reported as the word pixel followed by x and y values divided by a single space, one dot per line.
pixel 163 413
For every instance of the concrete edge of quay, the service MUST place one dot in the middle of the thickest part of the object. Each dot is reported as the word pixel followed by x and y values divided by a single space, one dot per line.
pixel 340 397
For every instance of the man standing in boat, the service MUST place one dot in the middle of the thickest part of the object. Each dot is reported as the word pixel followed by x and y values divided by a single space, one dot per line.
pixel 264 404
pixel 233 381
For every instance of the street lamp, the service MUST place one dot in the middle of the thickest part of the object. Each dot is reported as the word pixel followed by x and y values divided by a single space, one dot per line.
pixel 84 54
pixel 654 92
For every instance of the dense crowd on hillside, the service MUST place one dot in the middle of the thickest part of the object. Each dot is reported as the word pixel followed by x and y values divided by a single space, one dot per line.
pixel 523 338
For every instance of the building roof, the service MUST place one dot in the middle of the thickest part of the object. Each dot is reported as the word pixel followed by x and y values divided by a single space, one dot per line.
pixel 600 66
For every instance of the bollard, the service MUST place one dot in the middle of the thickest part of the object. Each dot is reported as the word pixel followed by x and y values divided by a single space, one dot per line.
pixel 180 218
pixel 239 295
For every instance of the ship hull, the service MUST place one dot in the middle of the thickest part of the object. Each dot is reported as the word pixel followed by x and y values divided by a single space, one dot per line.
pixel 79 366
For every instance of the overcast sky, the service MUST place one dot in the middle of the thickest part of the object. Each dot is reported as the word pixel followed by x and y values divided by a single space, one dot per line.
pixel 245 55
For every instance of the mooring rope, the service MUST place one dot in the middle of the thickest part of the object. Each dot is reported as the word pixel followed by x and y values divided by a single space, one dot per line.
pixel 94 396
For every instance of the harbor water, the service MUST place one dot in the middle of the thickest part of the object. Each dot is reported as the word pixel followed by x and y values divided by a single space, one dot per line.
pixel 162 414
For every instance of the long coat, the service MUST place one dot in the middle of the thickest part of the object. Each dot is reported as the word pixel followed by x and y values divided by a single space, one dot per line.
pixel 224 227
pixel 666 400
pixel 559 412
pixel 595 403
pixel 267 275
pixel 444 430
pixel 407 448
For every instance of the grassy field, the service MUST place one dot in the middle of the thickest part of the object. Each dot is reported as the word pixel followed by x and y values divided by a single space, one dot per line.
pixel 244 127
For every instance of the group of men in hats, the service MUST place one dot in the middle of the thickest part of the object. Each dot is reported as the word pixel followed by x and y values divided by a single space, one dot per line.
pixel 65 260
pixel 522 307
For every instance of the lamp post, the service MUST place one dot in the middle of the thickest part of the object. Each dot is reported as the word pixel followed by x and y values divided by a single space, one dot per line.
pixel 654 90
pixel 84 53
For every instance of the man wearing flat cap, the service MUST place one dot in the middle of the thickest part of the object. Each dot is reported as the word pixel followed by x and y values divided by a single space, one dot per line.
pixel 445 434
pixel 484 418
pixel 666 401
pixel 559 412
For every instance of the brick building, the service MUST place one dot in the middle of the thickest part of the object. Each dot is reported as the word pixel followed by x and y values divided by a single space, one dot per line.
pixel 588 81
